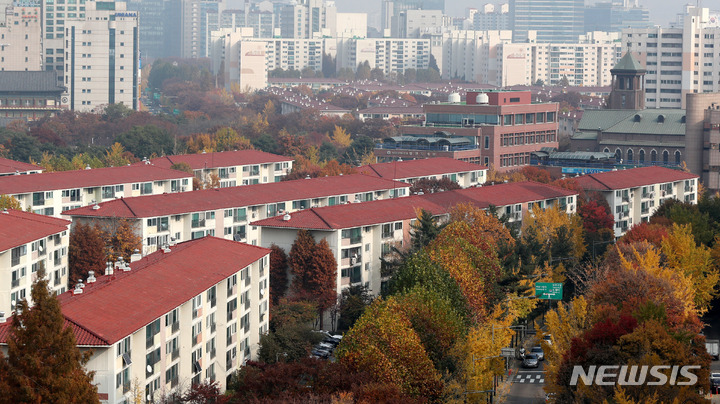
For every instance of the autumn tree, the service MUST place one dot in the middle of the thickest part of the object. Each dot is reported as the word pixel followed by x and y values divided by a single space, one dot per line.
pixel 182 166
pixel 644 231
pixel 9 202
pixel 86 252
pixel 122 242
pixel 552 225
pixel 278 273
pixel 291 336
pixel 432 185
pixel 43 363
pixel 384 344
pixel 314 270
pixel 341 137
pixel 536 174
pixel 116 156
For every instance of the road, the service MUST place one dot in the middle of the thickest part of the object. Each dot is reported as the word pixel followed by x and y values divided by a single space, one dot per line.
pixel 527 386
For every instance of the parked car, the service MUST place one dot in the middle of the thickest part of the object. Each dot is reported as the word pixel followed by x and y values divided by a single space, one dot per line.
pixel 320 353
pixel 536 350
pixel 715 383
pixel 530 361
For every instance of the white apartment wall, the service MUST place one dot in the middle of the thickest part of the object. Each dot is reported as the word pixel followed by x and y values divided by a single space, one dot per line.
pixel 634 205
pixel 244 342
pixel 232 176
pixel 223 222
pixel 58 200
pixel 465 179
pixel 21 37
pixel 90 79
pixel 679 60
pixel 391 55
pixel 53 256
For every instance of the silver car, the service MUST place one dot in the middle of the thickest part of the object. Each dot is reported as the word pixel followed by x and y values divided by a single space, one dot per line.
pixel 530 361
pixel 536 350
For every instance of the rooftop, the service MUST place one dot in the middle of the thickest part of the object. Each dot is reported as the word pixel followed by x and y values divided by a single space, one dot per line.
pixel 634 177
pixel 648 121
pixel 20 184
pixel 18 227
pixel 28 81
pixel 116 306
pixel 628 63
pixel 219 159
pixel 419 168
pixel 223 198
pixel 8 166
pixel 388 210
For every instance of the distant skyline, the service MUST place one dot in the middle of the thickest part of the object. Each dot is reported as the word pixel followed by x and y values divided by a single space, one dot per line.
pixel 662 12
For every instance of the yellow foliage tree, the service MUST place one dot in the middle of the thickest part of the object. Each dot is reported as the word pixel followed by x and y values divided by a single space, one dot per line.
pixel 225 139
pixel 115 156
pixel 341 137
pixel 566 322
pixel 202 142
pixel 694 263
pixel 9 202
pixel 547 222
pixel 485 224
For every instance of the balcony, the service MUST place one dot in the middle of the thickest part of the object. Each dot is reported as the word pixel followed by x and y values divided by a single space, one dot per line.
pixel 388 234
pixel 126 387
pixel 56 282
pixel 174 382
pixel 175 327
pixel 57 260
pixel 213 327
pixel 149 342
pixel 15 283
pixel 648 195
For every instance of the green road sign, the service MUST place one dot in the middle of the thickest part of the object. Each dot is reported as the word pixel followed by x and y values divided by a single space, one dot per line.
pixel 549 291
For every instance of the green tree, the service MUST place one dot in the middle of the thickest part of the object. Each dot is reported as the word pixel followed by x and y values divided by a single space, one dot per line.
pixel 291 336
pixel 353 302
pixel 116 112
pixel 44 364
pixel 146 140
pixel 86 252
pixel 424 230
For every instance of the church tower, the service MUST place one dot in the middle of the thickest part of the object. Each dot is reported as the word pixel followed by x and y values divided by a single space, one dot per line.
pixel 628 84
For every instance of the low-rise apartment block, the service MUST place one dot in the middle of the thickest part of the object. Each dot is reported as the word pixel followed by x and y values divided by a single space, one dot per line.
pixel 52 193
pixel 165 322
pixel 12 167
pixel 27 243
pixel 233 168
pixel 227 212
pixel 464 173
pixel 635 194
pixel 360 234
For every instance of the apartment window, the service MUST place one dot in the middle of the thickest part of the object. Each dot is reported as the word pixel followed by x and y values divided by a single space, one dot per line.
pixel 146 188
pixel 16 253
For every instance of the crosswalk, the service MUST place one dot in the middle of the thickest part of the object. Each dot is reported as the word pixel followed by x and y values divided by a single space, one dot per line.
pixel 530 378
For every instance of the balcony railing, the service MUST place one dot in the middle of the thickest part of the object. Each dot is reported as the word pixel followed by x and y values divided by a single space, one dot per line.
pixel 198 223
pixel 175 354
pixel 149 342
pixel 56 282
pixel 15 283
pixel 126 387
pixel 175 327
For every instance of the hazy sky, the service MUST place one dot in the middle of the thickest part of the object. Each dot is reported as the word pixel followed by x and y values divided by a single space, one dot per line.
pixel 661 11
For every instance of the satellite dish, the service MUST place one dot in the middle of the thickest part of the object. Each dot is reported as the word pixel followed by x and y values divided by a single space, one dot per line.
pixel 149 370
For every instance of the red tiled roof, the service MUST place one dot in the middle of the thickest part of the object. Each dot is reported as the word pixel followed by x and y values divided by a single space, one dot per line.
pixel 419 168
pixel 83 337
pixel 18 227
pixel 115 307
pixel 354 214
pixel 219 159
pixel 505 194
pixel 11 166
pixel 247 195
pixel 634 177
pixel 388 210
pixel 18 184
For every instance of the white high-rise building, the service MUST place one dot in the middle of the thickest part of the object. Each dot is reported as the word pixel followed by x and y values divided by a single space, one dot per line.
pixel 21 39
pixel 490 57
pixel 680 59
pixel 93 45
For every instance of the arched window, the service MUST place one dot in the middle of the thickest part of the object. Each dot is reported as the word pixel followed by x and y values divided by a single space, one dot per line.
pixel 677 157
pixel 666 157
pixel 653 157
pixel 606 150
pixel 618 154
pixel 629 155
pixel 641 156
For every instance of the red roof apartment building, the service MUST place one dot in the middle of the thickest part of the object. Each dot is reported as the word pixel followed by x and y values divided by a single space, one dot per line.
pixel 28 241
pixel 233 168
pixel 464 173
pixel 498 128
pixel 12 167
pixel 177 317
pixel 359 234
pixel 226 212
